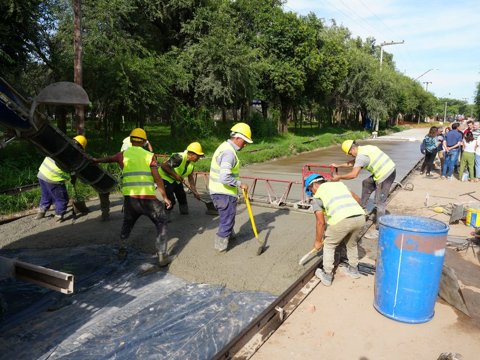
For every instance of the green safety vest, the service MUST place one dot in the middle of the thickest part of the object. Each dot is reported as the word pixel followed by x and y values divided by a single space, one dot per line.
pixel 380 163
pixel 184 169
pixel 214 184
pixel 338 202
pixel 137 178
pixel 52 172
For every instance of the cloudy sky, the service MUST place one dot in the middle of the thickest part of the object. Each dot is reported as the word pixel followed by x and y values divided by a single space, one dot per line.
pixel 442 38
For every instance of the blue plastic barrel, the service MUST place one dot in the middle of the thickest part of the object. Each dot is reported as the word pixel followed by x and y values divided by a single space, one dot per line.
pixel 410 256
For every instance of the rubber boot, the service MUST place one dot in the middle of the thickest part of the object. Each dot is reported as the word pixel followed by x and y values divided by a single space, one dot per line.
pixel 40 215
pixel 221 244
pixel 164 259
pixel 183 209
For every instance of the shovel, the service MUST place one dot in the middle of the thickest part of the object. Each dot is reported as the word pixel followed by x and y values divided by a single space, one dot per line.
pixel 211 209
pixel 261 248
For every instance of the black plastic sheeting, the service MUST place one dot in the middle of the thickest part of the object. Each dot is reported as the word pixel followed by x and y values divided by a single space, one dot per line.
pixel 129 310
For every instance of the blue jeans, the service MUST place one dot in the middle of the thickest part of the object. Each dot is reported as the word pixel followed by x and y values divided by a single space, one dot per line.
pixel 477 166
pixel 227 209
pixel 451 159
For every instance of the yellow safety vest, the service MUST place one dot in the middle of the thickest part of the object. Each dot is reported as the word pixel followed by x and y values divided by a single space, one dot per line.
pixel 214 184
pixel 380 163
pixel 52 172
pixel 137 176
pixel 183 169
pixel 338 202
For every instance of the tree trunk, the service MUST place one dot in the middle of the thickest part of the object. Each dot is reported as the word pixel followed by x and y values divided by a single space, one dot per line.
pixel 264 105
pixel 77 62
pixel 283 121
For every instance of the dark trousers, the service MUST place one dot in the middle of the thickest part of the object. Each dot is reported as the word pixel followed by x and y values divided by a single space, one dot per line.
pixel 381 193
pixel 53 193
pixel 227 209
pixel 133 208
pixel 173 191
pixel 428 162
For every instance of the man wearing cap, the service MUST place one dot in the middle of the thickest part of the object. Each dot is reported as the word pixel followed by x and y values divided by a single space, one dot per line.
pixel 378 163
pixel 52 184
pixel 334 204
pixel 173 172
pixel 224 182
pixel 139 176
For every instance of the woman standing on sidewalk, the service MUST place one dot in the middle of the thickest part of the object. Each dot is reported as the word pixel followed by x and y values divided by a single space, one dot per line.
pixel 468 156
pixel 430 144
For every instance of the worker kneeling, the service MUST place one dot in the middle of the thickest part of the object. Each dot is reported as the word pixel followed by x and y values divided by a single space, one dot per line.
pixel 335 203
pixel 173 172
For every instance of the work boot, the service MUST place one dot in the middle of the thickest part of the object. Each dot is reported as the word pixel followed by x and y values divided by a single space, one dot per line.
pixel 122 254
pixel 183 209
pixel 325 278
pixel 40 215
pixel 164 259
pixel 58 218
pixel 351 271
pixel 221 244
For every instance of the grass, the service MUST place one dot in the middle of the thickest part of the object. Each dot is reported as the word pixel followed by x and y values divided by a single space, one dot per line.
pixel 20 160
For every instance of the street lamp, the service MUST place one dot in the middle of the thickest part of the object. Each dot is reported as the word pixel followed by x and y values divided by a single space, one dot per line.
pixel 426 84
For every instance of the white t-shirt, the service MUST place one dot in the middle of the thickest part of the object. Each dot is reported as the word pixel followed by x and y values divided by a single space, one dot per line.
pixel 469 146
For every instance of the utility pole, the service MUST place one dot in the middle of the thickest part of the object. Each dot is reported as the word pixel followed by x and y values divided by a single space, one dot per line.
pixel 445 113
pixel 77 62
pixel 426 84
pixel 386 44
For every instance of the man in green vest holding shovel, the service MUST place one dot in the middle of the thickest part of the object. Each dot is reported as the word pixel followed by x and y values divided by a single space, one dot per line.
pixel 139 176
pixel 378 163
pixel 173 172
pixel 224 182
pixel 335 205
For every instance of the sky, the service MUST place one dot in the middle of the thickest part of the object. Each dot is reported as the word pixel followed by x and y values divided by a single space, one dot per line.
pixel 441 38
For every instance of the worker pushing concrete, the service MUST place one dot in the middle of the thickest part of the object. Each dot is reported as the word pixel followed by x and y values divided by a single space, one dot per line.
pixel 52 184
pixel 345 218
pixel 139 176
pixel 175 169
pixel 375 161
pixel 224 182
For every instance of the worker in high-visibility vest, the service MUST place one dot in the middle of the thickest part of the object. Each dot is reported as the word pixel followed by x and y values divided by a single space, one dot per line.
pixel 224 182
pixel 52 185
pixel 175 170
pixel 381 166
pixel 139 176
pixel 339 218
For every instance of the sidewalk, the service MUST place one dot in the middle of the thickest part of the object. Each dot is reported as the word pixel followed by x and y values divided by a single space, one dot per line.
pixel 340 322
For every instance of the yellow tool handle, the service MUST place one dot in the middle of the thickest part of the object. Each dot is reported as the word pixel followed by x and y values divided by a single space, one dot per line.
pixel 250 214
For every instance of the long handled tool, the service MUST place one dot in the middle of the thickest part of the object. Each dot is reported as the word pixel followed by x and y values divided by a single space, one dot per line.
pixel 261 248
pixel 308 256
pixel 211 209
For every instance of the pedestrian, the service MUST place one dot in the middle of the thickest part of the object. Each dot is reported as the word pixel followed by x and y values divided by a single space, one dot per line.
pixel 52 185
pixel 175 169
pixel 451 144
pixel 469 127
pixel 477 158
pixel 430 146
pixel 339 218
pixel 468 157
pixel 224 183
pixel 476 130
pixel 440 151
pixel 375 161
pixel 139 176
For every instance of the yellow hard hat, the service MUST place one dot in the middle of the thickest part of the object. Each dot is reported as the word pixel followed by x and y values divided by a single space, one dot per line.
pixel 346 146
pixel 196 148
pixel 244 130
pixel 139 133
pixel 82 140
